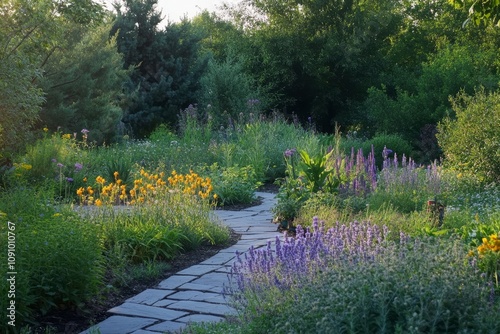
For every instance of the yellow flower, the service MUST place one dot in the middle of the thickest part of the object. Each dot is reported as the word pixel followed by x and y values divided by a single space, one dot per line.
pixel 66 136
pixel 26 166
pixel 56 214
pixel 85 179
pixel 116 174
pixel 100 180
pixel 80 191
pixel 45 129
pixel 98 202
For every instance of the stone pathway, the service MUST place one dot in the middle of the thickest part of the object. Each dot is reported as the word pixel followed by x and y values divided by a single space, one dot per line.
pixel 193 294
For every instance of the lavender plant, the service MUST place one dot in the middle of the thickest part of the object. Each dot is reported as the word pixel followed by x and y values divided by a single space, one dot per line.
pixel 405 184
pixel 359 173
pixel 353 279
pixel 299 259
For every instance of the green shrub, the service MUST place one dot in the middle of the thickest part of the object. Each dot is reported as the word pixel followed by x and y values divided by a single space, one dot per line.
pixel 58 255
pixel 234 185
pixel 162 134
pixel 228 94
pixel 471 142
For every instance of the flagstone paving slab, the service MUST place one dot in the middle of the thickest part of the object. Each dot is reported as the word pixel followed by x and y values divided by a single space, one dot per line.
pixel 120 325
pixel 202 287
pixel 142 331
pixel 150 296
pixel 209 297
pixel 140 310
pixel 220 258
pixel 199 269
pixel 175 281
pixel 203 307
pixel 167 326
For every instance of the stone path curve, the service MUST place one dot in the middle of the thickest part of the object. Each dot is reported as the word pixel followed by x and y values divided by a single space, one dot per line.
pixel 193 294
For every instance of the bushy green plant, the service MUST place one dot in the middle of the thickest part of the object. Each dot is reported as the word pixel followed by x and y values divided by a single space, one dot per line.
pixel 163 134
pixel 119 170
pixel 228 94
pixel 58 254
pixel 470 142
pixel 261 144
pixel 233 185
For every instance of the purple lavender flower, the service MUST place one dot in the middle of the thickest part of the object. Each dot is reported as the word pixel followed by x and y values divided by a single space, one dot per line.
pixel 85 131
pixel 78 166
pixel 289 153
pixel 301 258
pixel 60 165
pixel 69 179
pixel 386 152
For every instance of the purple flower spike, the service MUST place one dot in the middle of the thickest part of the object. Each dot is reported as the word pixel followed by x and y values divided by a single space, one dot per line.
pixel 60 165
pixel 69 179
pixel 85 131
pixel 289 153
pixel 78 166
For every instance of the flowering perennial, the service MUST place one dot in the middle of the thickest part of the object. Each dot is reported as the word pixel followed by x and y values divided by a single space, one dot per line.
pixel 145 188
pixel 307 254
pixel 491 244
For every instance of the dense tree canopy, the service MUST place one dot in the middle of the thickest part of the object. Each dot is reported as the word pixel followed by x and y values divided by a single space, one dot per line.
pixel 377 66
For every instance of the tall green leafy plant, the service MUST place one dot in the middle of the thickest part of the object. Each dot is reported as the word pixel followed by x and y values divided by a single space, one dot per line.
pixel 470 141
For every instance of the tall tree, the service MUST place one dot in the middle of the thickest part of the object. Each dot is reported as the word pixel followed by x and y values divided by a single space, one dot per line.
pixel 30 33
pixel 166 72
pixel 83 85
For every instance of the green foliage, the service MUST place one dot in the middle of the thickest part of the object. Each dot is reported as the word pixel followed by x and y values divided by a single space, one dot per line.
pixel 480 12
pixel 167 67
pixel 30 34
pixel 234 185
pixel 85 85
pixel 407 109
pixel 20 103
pixel 317 174
pixel 143 239
pixel 229 94
pixel 58 254
pixel 261 144
pixel 309 56
pixel 471 141
pixel 123 167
